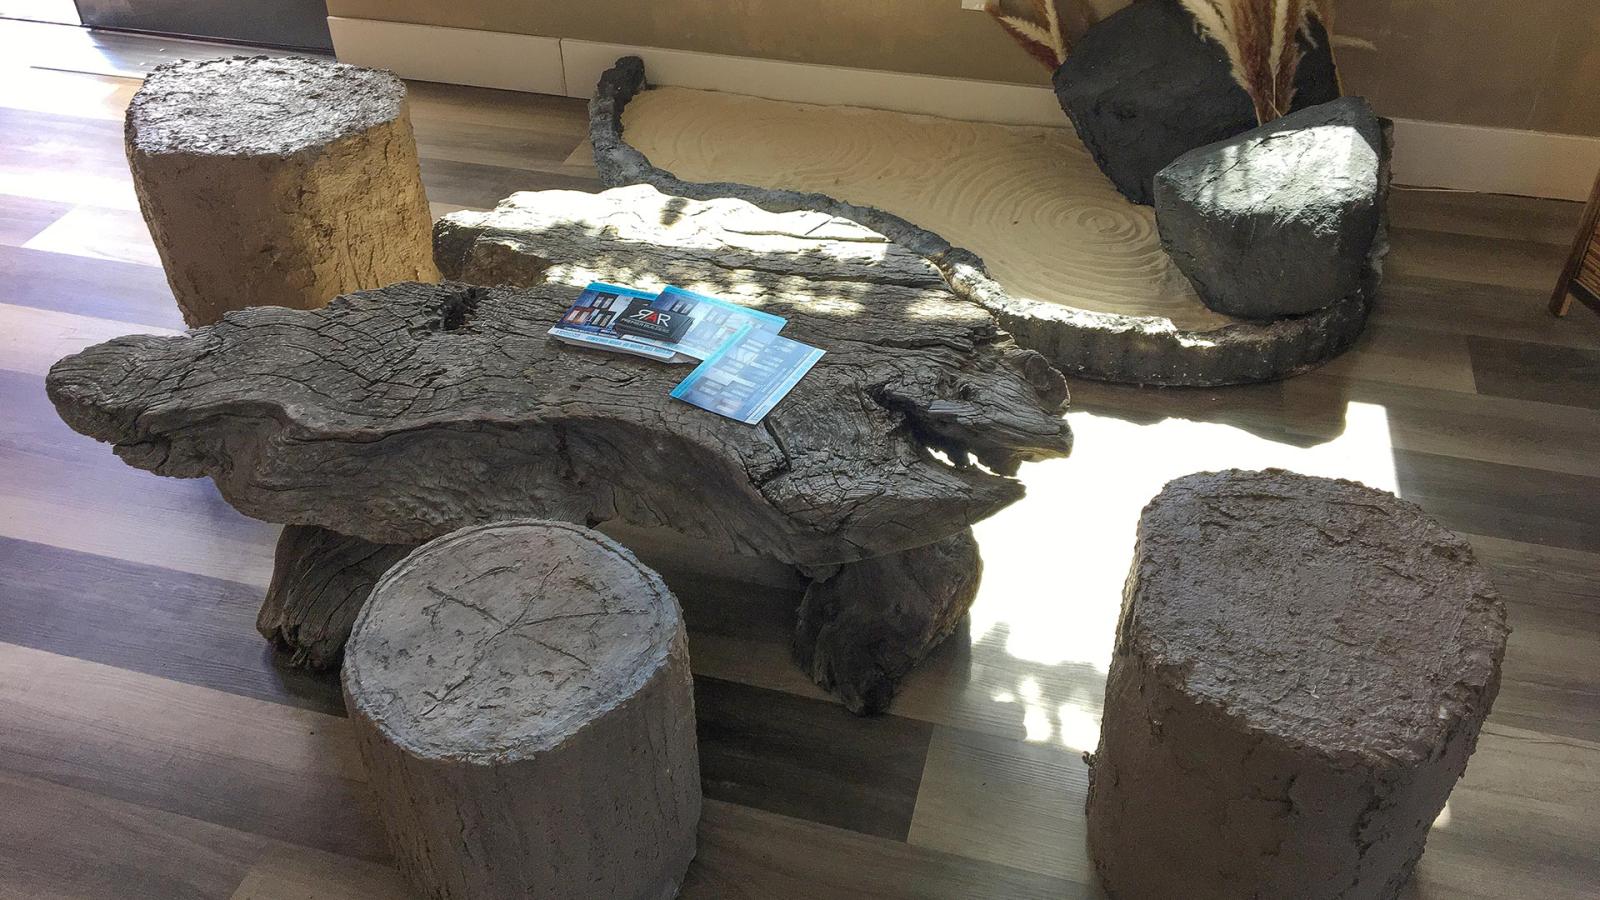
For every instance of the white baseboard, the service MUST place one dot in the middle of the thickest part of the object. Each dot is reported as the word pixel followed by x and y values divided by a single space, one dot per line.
pixel 1494 160
pixel 515 62
pixel 1427 154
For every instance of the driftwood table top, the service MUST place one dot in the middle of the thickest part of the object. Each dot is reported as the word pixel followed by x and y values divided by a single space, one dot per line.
pixel 400 414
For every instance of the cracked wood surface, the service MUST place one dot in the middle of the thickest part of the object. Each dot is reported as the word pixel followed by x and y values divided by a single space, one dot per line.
pixel 320 581
pixel 861 629
pixel 400 414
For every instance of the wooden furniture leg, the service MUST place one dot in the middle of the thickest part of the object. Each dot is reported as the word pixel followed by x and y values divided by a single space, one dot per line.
pixel 1581 276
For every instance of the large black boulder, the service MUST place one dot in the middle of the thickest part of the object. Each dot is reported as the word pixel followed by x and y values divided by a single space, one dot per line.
pixel 1143 86
pixel 1279 220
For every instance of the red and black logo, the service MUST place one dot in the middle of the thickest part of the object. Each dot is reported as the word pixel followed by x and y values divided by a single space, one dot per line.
pixel 641 319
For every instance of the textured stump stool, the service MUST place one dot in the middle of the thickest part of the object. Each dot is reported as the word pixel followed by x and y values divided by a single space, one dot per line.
pixel 1301 670
pixel 277 182
pixel 522 699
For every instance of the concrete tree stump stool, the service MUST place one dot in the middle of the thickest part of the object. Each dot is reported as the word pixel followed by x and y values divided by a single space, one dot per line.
pixel 521 696
pixel 277 182
pixel 1301 670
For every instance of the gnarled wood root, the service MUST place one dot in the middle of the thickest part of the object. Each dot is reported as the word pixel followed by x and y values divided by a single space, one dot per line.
pixel 861 629
pixel 320 580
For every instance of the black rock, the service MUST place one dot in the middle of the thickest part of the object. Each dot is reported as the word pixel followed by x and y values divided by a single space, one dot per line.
pixel 1143 87
pixel 1280 220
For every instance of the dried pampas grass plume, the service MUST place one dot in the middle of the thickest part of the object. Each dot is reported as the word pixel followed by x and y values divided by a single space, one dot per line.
pixel 1259 36
pixel 1041 35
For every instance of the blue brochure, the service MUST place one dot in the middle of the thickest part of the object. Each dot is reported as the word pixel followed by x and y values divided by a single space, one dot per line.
pixel 747 377
pixel 591 321
pixel 715 321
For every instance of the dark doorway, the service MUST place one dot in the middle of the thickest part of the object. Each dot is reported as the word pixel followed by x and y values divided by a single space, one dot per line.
pixel 301 24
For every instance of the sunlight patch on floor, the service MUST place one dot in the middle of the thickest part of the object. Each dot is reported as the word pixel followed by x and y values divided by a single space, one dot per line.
pixel 1054 563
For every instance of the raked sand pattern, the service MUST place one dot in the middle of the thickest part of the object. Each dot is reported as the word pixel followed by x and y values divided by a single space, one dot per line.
pixel 1028 200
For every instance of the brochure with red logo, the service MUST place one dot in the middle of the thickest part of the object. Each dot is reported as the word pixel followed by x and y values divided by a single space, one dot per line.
pixel 644 319
pixel 591 321
pixel 713 323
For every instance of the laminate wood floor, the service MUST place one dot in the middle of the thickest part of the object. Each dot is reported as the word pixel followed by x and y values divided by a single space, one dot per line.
pixel 150 746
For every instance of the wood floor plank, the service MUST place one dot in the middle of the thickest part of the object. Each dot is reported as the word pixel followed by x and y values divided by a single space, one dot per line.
pixel 1466 425
pixel 99 233
pixel 482 187
pixel 1546 682
pixel 305 874
pixel 1466 257
pixel 539 142
pixel 809 759
pixel 1556 578
pixel 1505 501
pixel 748 854
pixel 1523 815
pixel 467 108
pixel 65 159
pixel 1459 307
pixel 32 339
pixel 98 288
pixel 1017 803
pixel 1500 216
pixel 96 52
pixel 84 96
pixel 1398 354
pixel 23 217
pixel 66 844
pixel 148 619
pixel 1566 376
pixel 251 765
pixel 60 488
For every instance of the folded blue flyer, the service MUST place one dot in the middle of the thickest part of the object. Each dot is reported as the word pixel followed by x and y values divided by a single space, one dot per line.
pixel 591 321
pixel 715 321
pixel 747 377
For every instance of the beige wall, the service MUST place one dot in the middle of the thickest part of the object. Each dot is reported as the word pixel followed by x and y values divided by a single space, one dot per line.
pixel 1531 64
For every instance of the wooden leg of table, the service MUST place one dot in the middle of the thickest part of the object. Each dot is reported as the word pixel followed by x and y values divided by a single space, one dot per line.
pixel 1561 301
pixel 320 581
pixel 861 629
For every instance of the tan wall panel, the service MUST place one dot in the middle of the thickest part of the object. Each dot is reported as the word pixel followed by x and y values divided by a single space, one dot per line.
pixel 1532 64
pixel 934 37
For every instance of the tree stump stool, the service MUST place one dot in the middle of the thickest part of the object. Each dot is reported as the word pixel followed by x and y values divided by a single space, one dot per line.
pixel 1301 670
pixel 522 700
pixel 277 182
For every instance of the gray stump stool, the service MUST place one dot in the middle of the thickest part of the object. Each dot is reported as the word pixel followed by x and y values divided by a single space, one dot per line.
pixel 1301 670
pixel 277 182
pixel 522 700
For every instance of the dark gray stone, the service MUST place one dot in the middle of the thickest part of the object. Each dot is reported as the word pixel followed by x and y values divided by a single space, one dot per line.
pixel 1281 220
pixel 1144 86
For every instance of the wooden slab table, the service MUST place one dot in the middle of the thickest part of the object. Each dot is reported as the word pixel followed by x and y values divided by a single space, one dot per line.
pixel 394 416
